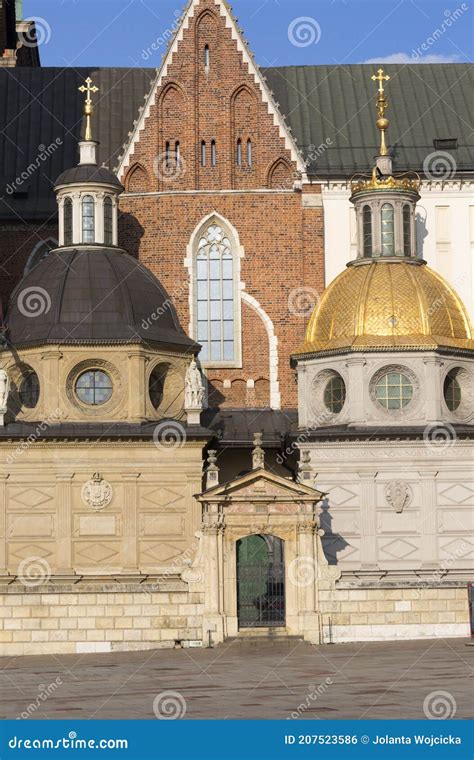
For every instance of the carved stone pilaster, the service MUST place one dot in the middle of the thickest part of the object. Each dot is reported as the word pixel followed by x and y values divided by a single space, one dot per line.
pixel 130 521
pixel 368 519
pixel 3 523
pixel 64 527
pixel 428 515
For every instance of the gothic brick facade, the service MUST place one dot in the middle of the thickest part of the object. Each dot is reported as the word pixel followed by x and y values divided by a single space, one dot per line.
pixel 209 116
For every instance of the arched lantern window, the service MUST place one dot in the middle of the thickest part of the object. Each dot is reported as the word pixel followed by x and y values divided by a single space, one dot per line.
pixel 388 230
pixel 88 219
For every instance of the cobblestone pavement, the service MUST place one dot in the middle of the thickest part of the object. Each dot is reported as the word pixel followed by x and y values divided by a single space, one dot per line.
pixel 367 680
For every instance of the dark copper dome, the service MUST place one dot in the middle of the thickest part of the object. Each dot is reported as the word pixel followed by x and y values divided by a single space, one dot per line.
pixel 93 295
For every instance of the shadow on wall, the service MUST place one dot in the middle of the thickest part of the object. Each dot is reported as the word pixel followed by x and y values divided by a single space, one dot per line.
pixel 130 233
pixel 421 230
pixel 332 542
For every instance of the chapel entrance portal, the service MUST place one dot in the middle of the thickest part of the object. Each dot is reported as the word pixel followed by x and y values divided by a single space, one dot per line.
pixel 260 582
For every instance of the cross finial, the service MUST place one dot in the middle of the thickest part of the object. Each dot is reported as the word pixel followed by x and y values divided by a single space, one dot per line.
pixel 89 88
pixel 382 105
pixel 381 77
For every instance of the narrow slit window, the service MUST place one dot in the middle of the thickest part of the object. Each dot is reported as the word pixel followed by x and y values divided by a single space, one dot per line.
pixel 167 155
pixel 213 153
pixel 177 153
pixel 239 152
pixel 207 57
pixel 249 152
pixel 203 153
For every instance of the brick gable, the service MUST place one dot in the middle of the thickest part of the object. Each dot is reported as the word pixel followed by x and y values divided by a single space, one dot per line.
pixel 194 103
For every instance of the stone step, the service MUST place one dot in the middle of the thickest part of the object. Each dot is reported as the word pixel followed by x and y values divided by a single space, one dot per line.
pixel 261 640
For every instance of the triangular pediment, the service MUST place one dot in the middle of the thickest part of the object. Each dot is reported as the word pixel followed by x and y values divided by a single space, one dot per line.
pixel 191 10
pixel 261 484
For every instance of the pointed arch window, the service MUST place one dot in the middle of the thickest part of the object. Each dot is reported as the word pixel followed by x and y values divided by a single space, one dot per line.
pixel 67 219
pixel 213 153
pixel 388 230
pixel 216 307
pixel 88 219
pixel 249 152
pixel 203 153
pixel 108 221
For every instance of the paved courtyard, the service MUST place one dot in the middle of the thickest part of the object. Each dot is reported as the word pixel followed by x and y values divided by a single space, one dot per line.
pixel 369 680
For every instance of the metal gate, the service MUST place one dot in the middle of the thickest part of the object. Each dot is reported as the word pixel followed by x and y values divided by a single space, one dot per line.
pixel 261 585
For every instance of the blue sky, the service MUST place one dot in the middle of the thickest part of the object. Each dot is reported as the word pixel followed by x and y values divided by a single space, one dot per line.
pixel 280 32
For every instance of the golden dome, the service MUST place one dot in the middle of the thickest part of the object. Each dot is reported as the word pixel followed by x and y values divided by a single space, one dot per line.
pixel 393 305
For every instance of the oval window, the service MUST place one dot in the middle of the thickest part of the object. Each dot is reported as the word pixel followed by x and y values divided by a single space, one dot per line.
pixel 156 385
pixel 335 394
pixel 29 390
pixel 452 391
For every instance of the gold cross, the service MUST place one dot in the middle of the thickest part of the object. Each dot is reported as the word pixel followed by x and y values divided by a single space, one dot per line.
pixel 89 89
pixel 88 107
pixel 380 78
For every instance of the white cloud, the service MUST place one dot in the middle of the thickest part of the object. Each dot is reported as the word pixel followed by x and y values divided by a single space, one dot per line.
pixel 406 58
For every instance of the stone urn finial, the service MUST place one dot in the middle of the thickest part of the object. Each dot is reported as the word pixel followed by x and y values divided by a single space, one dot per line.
pixel 258 454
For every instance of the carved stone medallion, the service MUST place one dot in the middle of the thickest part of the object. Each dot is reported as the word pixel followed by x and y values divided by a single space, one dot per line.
pixel 97 492
pixel 398 495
